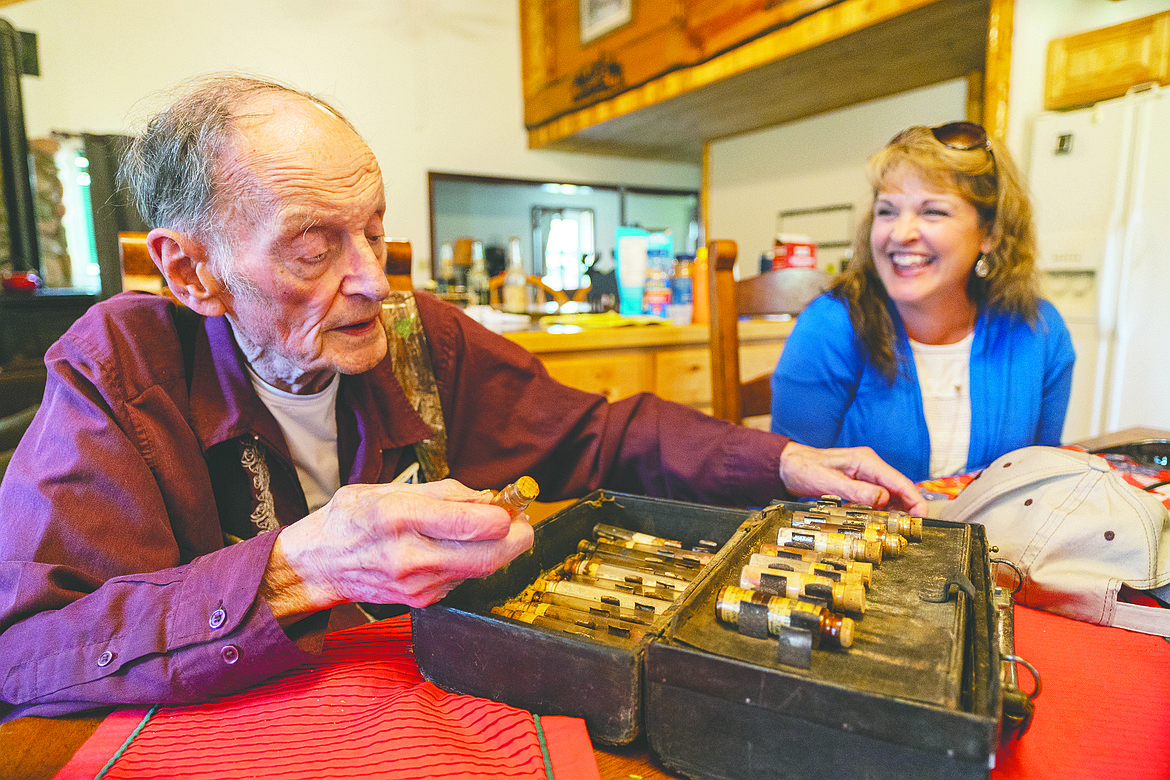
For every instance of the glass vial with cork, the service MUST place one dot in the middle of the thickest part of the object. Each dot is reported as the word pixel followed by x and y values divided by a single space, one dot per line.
pixel 516 497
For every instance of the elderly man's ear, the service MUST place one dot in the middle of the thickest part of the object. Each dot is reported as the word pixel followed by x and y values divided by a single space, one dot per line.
pixel 186 267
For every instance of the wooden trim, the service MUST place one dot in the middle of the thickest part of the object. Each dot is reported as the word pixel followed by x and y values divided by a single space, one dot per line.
pixel 705 194
pixel 975 99
pixel 830 44
pixel 997 68
pixel 725 393
pixel 1105 63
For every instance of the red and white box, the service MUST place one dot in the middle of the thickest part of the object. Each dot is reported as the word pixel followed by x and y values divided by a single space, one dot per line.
pixel 793 251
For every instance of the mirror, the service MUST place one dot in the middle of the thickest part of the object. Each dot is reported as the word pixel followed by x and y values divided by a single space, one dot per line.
pixel 581 218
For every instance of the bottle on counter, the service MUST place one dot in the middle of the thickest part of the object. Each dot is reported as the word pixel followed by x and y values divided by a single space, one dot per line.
pixel 659 265
pixel 477 277
pixel 701 288
pixel 682 307
pixel 446 281
pixel 515 292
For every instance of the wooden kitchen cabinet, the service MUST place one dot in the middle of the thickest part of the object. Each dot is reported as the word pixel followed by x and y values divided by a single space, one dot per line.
pixel 681 73
pixel 671 361
pixel 565 69
pixel 1105 63
pixel 562 73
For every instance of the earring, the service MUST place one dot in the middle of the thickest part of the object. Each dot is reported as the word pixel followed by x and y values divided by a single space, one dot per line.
pixel 982 267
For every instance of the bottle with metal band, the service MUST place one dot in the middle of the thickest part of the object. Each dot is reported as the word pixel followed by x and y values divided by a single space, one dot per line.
pixel 786 613
pixel 864 568
pixel 849 547
pixel 893 545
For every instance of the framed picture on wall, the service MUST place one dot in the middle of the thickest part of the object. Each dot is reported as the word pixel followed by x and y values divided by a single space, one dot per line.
pixel 601 16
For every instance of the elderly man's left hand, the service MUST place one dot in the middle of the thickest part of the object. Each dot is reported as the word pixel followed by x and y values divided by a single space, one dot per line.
pixel 856 474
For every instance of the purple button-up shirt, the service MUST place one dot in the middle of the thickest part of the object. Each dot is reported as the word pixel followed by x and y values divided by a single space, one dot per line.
pixel 116 586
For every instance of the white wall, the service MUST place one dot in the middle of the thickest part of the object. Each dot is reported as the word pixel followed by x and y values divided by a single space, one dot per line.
pixel 431 84
pixel 811 163
pixel 820 161
pixel 435 85
pixel 1038 22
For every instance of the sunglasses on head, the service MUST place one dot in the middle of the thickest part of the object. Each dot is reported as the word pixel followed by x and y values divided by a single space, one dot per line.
pixel 963 136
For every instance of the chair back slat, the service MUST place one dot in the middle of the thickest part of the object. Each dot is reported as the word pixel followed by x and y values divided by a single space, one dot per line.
pixel 783 291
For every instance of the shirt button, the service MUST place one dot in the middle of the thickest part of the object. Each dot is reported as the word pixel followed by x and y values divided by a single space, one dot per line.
pixel 217 618
pixel 230 654
pixel 105 658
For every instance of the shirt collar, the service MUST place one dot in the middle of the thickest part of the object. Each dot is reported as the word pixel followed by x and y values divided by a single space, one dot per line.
pixel 224 405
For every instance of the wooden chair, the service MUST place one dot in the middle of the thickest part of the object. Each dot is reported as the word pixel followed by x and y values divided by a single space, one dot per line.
pixel 544 293
pixel 581 294
pixel 786 291
pixel 138 270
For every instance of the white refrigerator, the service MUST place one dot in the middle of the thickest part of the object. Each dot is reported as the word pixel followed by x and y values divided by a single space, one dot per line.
pixel 1100 181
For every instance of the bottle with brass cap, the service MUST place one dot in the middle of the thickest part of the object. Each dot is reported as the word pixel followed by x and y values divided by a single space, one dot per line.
pixel 626 594
pixel 637 614
pixel 808 567
pixel 909 526
pixel 785 613
pixel 849 597
pixel 864 568
pixel 571 621
pixel 893 520
pixel 849 547
pixel 608 532
pixel 646 551
pixel 596 566
pixel 893 545
pixel 517 496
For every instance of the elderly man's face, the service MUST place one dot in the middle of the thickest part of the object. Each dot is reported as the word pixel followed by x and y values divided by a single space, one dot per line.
pixel 309 247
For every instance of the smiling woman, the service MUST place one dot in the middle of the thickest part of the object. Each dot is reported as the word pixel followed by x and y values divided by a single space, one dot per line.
pixel 960 359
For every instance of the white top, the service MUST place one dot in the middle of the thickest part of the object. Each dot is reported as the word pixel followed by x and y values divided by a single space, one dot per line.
pixel 309 423
pixel 944 377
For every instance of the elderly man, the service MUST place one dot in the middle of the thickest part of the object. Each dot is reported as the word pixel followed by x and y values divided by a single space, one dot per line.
pixel 203 483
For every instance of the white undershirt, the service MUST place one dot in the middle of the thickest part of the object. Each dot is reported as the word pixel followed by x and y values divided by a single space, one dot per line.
pixel 309 423
pixel 944 377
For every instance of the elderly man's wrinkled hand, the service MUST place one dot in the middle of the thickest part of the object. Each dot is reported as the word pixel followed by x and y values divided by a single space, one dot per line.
pixel 856 474
pixel 391 544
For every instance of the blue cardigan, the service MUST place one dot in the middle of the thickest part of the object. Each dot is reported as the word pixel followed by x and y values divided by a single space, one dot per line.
pixel 826 394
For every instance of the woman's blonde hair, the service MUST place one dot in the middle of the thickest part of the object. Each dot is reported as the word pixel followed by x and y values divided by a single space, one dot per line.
pixel 987 178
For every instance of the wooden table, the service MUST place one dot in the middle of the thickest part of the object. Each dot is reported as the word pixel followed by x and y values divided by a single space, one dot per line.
pixel 36 748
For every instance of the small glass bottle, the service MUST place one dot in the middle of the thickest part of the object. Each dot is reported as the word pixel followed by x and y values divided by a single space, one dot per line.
pixel 446 281
pixel 682 307
pixel 517 496
pixel 785 613
pixel 700 288
pixel 477 277
pixel 656 292
pixel 515 295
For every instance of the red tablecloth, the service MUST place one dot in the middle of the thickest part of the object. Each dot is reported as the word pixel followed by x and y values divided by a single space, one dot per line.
pixel 361 710
pixel 1104 706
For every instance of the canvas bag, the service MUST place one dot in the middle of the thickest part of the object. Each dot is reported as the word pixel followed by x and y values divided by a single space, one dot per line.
pixel 1077 531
